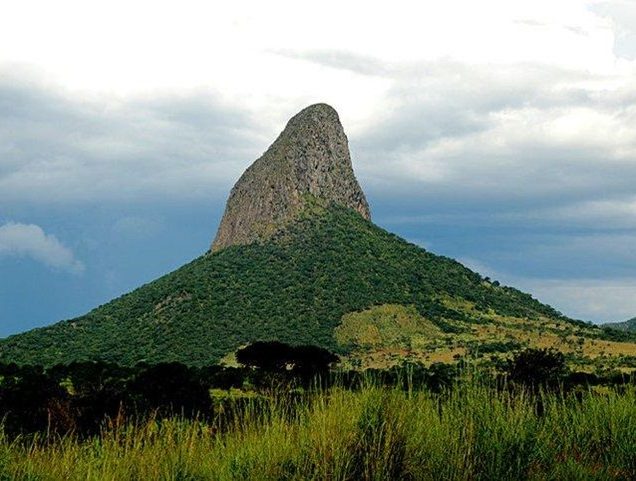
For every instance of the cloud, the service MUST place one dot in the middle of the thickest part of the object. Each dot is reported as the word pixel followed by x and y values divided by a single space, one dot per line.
pixel 622 16
pixel 339 59
pixel 511 132
pixel 60 149
pixel 504 133
pixel 606 300
pixel 591 299
pixel 30 240
pixel 134 227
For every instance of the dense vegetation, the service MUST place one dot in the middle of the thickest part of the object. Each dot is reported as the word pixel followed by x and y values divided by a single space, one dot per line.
pixel 415 424
pixel 80 397
pixel 295 288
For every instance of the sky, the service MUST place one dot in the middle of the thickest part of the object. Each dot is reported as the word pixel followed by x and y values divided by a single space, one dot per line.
pixel 499 133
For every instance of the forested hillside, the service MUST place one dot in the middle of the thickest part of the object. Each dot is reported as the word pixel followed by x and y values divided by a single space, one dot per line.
pixel 294 288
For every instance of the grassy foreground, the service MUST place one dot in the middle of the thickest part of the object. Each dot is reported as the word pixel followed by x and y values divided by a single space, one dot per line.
pixel 471 432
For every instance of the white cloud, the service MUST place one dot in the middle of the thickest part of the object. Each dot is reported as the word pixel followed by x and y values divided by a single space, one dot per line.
pixel 229 48
pixel 30 240
pixel 622 15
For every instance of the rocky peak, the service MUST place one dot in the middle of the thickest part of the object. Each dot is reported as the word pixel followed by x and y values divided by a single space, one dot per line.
pixel 311 156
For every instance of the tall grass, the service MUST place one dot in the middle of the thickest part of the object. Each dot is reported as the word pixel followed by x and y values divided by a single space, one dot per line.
pixel 472 432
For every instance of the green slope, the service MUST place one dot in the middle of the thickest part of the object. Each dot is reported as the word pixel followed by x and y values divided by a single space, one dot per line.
pixel 295 288
pixel 626 326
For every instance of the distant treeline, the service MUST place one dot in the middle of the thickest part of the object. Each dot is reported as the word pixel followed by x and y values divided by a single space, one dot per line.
pixel 84 396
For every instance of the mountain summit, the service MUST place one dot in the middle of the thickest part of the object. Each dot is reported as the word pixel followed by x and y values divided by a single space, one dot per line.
pixel 310 157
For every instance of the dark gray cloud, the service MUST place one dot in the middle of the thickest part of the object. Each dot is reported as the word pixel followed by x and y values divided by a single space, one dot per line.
pixel 54 148
pixel 523 139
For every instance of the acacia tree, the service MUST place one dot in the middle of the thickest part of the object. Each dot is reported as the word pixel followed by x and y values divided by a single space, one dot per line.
pixel 274 356
pixel 537 368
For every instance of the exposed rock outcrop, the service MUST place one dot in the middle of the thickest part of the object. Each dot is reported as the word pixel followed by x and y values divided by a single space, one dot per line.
pixel 311 156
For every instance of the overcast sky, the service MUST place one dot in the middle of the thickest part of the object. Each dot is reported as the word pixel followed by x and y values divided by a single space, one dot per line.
pixel 501 133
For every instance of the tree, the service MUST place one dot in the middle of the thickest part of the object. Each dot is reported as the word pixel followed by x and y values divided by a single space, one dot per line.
pixel 537 368
pixel 303 361
pixel 99 391
pixel 266 355
pixel 170 388
pixel 309 361
pixel 31 401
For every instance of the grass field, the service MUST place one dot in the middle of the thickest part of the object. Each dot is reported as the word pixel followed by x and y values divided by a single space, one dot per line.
pixel 471 432
pixel 383 336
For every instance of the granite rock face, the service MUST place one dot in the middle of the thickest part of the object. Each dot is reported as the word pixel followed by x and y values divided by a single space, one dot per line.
pixel 310 157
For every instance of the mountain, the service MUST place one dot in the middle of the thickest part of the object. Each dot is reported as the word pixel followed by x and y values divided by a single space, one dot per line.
pixel 625 326
pixel 311 156
pixel 297 259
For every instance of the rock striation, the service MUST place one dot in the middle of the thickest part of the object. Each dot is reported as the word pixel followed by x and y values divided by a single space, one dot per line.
pixel 310 157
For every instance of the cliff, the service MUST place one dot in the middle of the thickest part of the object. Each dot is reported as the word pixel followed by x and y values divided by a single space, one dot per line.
pixel 311 156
